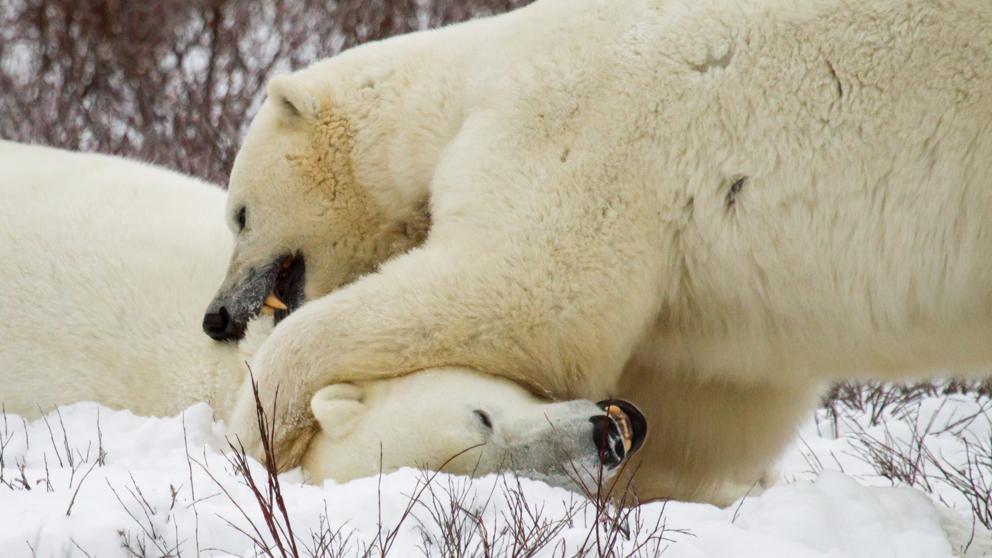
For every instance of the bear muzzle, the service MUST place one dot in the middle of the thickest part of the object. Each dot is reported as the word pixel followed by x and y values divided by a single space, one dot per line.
pixel 275 289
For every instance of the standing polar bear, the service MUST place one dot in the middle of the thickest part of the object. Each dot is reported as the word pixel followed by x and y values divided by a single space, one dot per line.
pixel 707 207
pixel 107 265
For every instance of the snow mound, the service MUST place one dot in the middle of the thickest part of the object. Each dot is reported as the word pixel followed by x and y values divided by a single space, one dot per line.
pixel 90 481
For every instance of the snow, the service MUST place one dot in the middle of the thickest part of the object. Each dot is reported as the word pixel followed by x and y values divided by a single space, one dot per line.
pixel 87 480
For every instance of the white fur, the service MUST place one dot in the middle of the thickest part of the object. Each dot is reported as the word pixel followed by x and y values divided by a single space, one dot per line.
pixel 708 207
pixel 430 419
pixel 107 264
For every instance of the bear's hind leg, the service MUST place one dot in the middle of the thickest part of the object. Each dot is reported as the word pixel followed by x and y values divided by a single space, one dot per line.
pixel 713 441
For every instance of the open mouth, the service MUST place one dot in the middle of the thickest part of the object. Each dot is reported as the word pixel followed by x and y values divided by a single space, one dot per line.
pixel 287 289
pixel 274 289
pixel 622 431
pixel 622 421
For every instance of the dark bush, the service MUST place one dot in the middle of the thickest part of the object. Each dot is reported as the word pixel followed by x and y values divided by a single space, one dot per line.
pixel 176 82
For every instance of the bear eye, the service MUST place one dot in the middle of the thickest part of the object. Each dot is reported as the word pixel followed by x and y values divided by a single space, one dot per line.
pixel 484 418
pixel 241 218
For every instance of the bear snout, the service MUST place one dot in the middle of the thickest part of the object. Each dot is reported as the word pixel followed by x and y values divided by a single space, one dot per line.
pixel 217 323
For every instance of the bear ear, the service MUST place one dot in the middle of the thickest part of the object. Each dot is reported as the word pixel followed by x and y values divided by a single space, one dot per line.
pixel 337 408
pixel 291 97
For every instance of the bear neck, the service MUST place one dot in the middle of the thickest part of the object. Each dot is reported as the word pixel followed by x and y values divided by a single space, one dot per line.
pixel 404 107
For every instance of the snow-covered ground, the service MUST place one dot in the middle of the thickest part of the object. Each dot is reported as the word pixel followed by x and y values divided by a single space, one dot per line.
pixel 89 481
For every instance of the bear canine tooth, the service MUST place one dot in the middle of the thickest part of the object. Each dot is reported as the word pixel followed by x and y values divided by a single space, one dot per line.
pixel 272 301
pixel 623 423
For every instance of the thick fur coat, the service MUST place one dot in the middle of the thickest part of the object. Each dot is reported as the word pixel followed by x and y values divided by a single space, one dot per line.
pixel 707 207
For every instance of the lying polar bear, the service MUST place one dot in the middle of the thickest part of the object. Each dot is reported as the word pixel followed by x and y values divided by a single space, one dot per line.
pixel 106 266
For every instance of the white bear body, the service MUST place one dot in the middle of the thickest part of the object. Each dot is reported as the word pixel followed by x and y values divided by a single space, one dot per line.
pixel 107 266
pixel 708 207
pixel 110 263
pixel 821 212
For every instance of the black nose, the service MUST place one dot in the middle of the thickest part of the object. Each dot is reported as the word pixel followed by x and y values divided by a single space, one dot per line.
pixel 219 325
pixel 608 439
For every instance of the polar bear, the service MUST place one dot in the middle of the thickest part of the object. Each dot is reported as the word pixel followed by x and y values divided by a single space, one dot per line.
pixel 706 207
pixel 107 264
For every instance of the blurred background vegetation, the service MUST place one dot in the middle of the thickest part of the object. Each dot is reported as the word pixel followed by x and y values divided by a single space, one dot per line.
pixel 176 82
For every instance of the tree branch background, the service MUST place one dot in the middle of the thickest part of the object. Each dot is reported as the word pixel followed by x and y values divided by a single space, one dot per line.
pixel 176 82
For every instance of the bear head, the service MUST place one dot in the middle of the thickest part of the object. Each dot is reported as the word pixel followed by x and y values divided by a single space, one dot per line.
pixel 304 223
pixel 465 422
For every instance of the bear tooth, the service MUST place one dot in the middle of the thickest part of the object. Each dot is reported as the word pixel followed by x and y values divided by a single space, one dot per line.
pixel 272 301
pixel 623 423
